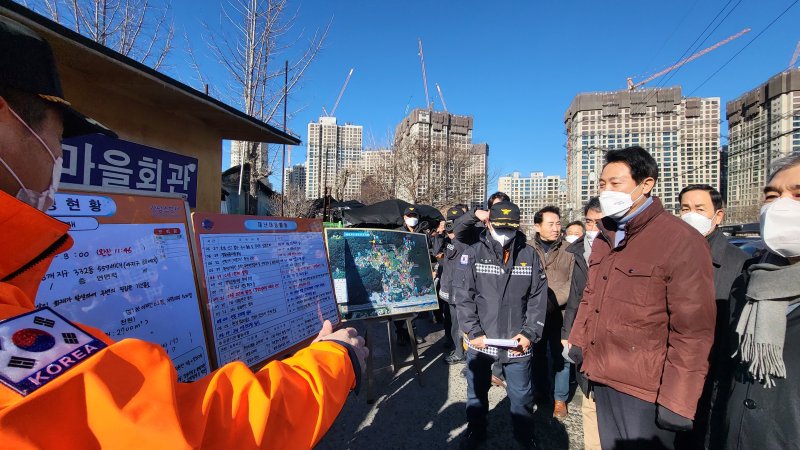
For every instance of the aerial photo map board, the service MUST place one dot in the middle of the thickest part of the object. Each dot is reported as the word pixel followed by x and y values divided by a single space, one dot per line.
pixel 130 273
pixel 380 272
pixel 267 283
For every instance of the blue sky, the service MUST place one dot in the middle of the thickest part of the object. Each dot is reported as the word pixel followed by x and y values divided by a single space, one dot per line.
pixel 514 66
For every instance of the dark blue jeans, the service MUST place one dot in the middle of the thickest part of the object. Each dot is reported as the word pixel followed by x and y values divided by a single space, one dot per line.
pixel 519 390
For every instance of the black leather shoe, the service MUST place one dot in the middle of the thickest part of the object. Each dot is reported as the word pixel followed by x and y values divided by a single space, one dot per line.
pixel 472 440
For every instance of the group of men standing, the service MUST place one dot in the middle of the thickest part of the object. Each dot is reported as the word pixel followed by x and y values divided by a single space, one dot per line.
pixel 678 339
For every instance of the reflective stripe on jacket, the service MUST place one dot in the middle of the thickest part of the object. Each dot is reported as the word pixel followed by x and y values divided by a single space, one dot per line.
pixel 500 299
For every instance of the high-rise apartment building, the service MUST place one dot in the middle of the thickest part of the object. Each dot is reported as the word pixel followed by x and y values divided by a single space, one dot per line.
pixel 378 163
pixel 294 182
pixel 681 133
pixel 440 164
pixel 533 193
pixel 763 125
pixel 333 159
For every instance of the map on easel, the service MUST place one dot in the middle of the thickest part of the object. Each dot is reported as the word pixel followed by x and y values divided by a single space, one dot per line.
pixel 380 273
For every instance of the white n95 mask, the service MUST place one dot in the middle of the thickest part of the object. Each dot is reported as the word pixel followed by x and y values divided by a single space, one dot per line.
pixel 616 204
pixel 698 221
pixel 780 226
pixel 39 200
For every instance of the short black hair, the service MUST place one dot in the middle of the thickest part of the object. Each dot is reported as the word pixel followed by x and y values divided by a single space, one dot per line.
pixel 497 195
pixel 592 204
pixel 30 107
pixel 716 197
pixel 640 162
pixel 577 222
pixel 539 216
pixel 461 206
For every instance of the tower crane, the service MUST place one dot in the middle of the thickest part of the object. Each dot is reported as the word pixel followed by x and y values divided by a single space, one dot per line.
pixel 632 86
pixel 424 76
pixel 336 105
pixel 444 105
pixel 795 56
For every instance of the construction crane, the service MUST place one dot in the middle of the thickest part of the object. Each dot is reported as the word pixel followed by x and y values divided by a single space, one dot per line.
pixel 795 56
pixel 444 105
pixel 408 104
pixel 336 105
pixel 632 86
pixel 424 77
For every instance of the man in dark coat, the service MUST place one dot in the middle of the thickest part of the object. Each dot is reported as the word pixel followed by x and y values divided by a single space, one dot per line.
pixel 501 293
pixel 412 224
pixel 581 249
pixel 702 208
pixel 646 321
pixel 763 409
pixel 453 249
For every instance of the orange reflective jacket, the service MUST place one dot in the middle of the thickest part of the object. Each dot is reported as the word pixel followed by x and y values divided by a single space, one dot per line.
pixel 127 395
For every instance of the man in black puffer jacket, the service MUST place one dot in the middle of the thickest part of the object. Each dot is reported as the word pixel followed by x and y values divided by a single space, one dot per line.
pixel 453 249
pixel 501 293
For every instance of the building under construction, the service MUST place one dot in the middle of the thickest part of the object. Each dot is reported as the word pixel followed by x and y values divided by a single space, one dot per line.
pixel 681 133
pixel 763 124
pixel 441 164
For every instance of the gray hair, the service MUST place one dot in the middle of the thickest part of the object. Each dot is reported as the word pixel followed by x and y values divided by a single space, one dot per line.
pixel 783 163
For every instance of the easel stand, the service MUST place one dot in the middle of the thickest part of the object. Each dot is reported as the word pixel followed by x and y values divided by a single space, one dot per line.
pixel 368 337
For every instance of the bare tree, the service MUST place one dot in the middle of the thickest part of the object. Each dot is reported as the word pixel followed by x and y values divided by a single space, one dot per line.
pixel 251 45
pixel 295 203
pixel 139 29
pixel 433 174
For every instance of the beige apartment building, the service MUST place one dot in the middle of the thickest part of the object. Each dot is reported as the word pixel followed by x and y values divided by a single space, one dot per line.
pixel 441 164
pixel 763 124
pixel 533 193
pixel 333 159
pixel 681 133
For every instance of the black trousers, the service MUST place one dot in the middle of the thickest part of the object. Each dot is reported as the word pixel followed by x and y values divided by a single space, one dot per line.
pixel 455 332
pixel 519 392
pixel 627 423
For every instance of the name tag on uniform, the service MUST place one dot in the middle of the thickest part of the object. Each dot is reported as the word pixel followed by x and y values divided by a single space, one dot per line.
pixel 40 346
pixel 464 259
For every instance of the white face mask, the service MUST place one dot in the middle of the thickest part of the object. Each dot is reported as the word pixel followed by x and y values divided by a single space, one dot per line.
pixel 590 235
pixel 503 237
pixel 412 221
pixel 616 204
pixel 571 238
pixel 699 222
pixel 780 226
pixel 39 200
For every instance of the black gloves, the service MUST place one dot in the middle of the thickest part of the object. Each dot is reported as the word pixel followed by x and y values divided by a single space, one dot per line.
pixel 668 420
pixel 574 355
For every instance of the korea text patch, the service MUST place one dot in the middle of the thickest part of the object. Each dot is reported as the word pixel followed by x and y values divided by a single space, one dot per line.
pixel 40 346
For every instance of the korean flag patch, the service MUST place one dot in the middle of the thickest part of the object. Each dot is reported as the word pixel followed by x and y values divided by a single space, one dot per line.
pixel 38 347
pixel 464 259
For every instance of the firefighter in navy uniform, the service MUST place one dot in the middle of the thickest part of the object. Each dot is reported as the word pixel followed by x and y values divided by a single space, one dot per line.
pixel 501 293
pixel 453 249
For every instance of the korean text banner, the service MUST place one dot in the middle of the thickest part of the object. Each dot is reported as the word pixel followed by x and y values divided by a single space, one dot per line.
pixel 130 273
pixel 98 160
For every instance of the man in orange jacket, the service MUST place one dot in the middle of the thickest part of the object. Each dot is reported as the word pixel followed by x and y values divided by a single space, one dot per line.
pixel 123 394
